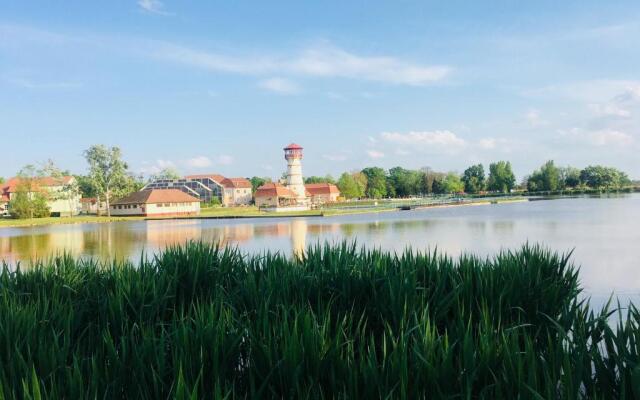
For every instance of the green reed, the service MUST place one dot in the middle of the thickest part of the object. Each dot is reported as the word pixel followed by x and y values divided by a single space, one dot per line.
pixel 199 321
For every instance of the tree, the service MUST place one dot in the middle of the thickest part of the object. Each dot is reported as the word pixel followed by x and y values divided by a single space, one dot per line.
pixel 320 179
pixel 68 191
pixel 257 181
pixel 348 186
pixel 501 177
pixel 569 177
pixel 547 178
pixel 452 183
pixel 1 179
pixel 107 171
pixel 601 177
pixel 428 178
pixel 473 179
pixel 376 182
pixel 29 201
pixel 361 182
pixel 169 173
pixel 404 182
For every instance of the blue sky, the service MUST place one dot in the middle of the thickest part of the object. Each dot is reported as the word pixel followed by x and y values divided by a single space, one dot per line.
pixel 221 86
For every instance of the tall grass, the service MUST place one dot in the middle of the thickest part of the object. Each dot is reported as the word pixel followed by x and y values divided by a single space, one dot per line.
pixel 199 321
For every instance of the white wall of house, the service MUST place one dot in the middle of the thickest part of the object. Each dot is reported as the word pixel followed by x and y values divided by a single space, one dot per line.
pixel 158 209
pixel 324 198
pixel 267 201
pixel 237 197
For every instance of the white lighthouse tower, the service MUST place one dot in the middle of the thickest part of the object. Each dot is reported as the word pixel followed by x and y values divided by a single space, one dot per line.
pixel 293 155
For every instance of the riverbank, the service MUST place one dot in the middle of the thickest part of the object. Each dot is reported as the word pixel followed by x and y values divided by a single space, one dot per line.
pixel 347 208
pixel 342 321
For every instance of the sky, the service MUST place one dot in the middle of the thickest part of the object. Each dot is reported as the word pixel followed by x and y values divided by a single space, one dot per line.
pixel 223 86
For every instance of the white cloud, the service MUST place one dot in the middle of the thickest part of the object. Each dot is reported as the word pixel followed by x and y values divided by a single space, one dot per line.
pixel 440 139
pixel 198 162
pixel 488 143
pixel 375 154
pixel 323 61
pixel 592 91
pixel 279 85
pixel 610 137
pixel 533 118
pixel 156 167
pixel 152 6
pixel 329 61
pixel 224 159
pixel 609 110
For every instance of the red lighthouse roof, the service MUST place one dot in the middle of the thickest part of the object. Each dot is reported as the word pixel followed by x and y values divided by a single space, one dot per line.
pixel 293 146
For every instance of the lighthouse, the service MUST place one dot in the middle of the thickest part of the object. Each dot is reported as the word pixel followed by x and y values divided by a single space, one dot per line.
pixel 293 155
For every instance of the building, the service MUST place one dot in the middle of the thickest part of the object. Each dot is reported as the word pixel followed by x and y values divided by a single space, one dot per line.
pixel 62 193
pixel 89 205
pixel 295 183
pixel 207 187
pixel 322 193
pixel 237 192
pixel 157 203
pixel 276 197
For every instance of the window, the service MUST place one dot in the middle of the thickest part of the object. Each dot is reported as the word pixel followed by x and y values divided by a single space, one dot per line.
pixel 167 204
pixel 159 204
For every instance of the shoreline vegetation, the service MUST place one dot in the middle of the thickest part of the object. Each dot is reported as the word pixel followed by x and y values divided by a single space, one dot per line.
pixel 340 321
pixel 342 208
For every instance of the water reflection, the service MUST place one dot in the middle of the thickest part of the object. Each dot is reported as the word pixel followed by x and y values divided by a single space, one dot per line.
pixel 602 231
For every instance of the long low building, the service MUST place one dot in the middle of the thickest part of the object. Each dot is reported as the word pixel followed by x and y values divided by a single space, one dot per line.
pixel 321 193
pixel 156 203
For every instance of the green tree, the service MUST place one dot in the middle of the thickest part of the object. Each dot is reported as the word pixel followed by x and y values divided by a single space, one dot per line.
pixel 473 179
pixel 569 177
pixel 429 181
pixel 1 179
pixel 257 181
pixel 376 182
pixel 547 178
pixel 501 177
pixel 348 186
pixel 601 177
pixel 452 183
pixel 361 182
pixel 319 179
pixel 404 182
pixel 29 201
pixel 108 172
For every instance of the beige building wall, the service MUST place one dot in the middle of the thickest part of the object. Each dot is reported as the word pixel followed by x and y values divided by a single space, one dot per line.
pixel 267 201
pixel 236 197
pixel 156 209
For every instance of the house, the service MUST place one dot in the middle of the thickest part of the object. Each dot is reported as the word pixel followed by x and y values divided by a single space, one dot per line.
pixel 157 203
pixel 274 195
pixel 62 193
pixel 89 205
pixel 321 193
pixel 237 192
pixel 207 187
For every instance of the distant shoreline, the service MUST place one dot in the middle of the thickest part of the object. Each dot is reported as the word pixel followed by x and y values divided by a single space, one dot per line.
pixel 253 213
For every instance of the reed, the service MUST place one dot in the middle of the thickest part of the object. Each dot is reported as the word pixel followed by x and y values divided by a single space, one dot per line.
pixel 342 321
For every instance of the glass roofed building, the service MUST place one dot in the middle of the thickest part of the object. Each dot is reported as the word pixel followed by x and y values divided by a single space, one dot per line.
pixel 228 191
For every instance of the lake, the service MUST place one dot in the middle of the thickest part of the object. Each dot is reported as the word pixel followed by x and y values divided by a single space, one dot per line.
pixel 602 231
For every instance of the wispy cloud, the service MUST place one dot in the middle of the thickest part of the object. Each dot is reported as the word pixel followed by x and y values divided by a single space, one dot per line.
pixel 323 61
pixel 198 162
pixel 279 85
pixel 610 137
pixel 224 159
pixel 153 6
pixel 375 154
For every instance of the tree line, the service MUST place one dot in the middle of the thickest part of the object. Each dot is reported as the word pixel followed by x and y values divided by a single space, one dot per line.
pixel 376 182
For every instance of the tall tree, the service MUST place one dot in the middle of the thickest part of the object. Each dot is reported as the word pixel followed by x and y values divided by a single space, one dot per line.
pixel 376 182
pixel 546 178
pixel 569 177
pixel 473 179
pixel 320 179
pixel 601 177
pixel 501 177
pixel 452 183
pixel 106 170
pixel 348 186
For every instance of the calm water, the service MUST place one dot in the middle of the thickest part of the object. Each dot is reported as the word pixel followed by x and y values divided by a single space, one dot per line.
pixel 603 232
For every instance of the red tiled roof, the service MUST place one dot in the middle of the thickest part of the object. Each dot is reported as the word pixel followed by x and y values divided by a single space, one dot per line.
pixel 214 177
pixel 321 188
pixel 12 184
pixel 293 146
pixel 274 190
pixel 231 183
pixel 152 196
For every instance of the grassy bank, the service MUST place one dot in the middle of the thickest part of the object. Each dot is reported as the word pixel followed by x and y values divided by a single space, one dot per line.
pixel 203 322
pixel 80 219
